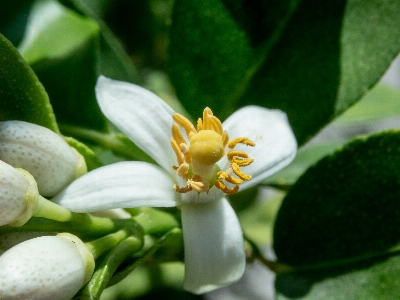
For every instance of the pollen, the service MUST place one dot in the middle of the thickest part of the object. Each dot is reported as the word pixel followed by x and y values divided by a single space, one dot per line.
pixel 198 153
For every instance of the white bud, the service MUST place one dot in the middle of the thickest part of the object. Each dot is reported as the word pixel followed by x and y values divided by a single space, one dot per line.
pixel 43 153
pixel 47 267
pixel 18 196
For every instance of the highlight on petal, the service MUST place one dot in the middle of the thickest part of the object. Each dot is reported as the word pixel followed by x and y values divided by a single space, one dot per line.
pixel 140 115
pixel 119 185
pixel 214 246
pixel 276 144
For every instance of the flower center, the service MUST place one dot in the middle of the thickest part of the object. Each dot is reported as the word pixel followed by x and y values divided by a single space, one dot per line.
pixel 207 143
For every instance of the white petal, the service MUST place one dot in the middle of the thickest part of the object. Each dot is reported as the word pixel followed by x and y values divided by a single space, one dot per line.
pixel 214 247
pixel 140 115
pixel 119 185
pixel 276 144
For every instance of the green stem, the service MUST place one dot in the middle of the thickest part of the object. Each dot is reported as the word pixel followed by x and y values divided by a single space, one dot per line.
pixel 106 267
pixel 49 210
pixel 154 221
pixel 117 143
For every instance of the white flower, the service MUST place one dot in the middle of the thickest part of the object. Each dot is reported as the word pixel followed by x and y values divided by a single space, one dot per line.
pixel 188 176
pixel 43 153
pixel 47 267
pixel 19 195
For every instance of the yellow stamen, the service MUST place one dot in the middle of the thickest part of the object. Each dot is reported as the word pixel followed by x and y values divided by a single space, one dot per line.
pixel 240 140
pixel 176 134
pixel 225 176
pixel 239 173
pixel 220 185
pixel 206 121
pixel 199 124
pixel 183 170
pixel 178 153
pixel 225 138
pixel 199 186
pixel 185 123
pixel 216 124
pixel 232 154
pixel 185 150
pixel 182 190
pixel 242 162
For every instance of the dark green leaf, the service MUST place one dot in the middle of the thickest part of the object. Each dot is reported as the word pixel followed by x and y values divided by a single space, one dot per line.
pixel 311 63
pixel 61 46
pixel 346 206
pixel 326 59
pixel 22 95
pixel 364 281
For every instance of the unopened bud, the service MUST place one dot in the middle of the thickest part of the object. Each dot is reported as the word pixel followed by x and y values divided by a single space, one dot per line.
pixel 43 153
pixel 47 267
pixel 18 196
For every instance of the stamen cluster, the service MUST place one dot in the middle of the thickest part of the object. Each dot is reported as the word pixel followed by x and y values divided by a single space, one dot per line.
pixel 206 145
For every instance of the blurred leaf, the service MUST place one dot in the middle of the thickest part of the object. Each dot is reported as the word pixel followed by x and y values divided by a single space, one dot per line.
pixel 346 206
pixel 210 56
pixel 61 47
pixel 113 61
pixel 381 103
pixel 22 95
pixel 377 281
pixel 13 18
pixel 311 63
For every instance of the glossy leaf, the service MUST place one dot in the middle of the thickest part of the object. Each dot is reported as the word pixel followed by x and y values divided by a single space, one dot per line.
pixel 61 46
pixel 365 281
pixel 313 64
pixel 22 95
pixel 344 207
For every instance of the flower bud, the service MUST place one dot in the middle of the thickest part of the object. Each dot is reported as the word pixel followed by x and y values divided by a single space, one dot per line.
pixel 43 153
pixel 47 267
pixel 18 196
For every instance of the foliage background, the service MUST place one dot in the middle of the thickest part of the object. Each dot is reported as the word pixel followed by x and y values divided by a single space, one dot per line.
pixel 319 61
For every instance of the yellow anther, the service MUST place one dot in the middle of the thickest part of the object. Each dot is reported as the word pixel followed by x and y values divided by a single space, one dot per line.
pixel 182 190
pixel 239 173
pixel 176 134
pixel 177 150
pixel 240 140
pixel 199 186
pixel 216 124
pixel 183 170
pixel 220 185
pixel 206 121
pixel 225 138
pixel 242 162
pixel 206 147
pixel 199 124
pixel 185 150
pixel 232 154
pixel 225 176
pixel 185 123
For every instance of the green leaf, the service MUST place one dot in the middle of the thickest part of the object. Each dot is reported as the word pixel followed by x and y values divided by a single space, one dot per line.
pixel 369 112
pixel 326 59
pixel 365 281
pixel 311 63
pixel 61 46
pixel 210 56
pixel 22 95
pixel 344 207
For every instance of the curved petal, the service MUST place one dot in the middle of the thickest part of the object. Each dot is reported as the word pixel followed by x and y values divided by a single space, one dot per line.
pixel 140 115
pixel 276 144
pixel 119 185
pixel 214 247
